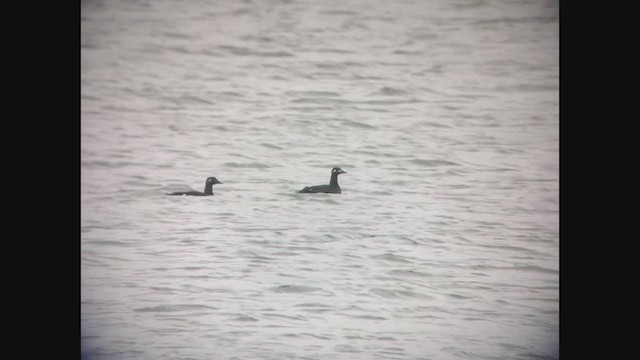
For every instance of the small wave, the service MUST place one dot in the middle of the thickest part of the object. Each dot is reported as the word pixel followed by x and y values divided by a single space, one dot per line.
pixel 258 38
pixel 370 317
pixel 306 109
pixel 392 257
pixel 532 268
pixel 409 273
pixel 162 289
pixel 339 65
pixel 110 242
pixel 389 91
pixel 407 52
pixel 526 88
pixel 89 97
pixel 307 100
pixel 398 294
pixel 231 94
pixel 316 336
pixel 358 124
pixel 253 165
pixel 432 162
pixel 245 318
pixel 287 317
pixel 338 12
pixel 107 164
pixel 191 268
pixel 121 108
pixel 293 289
pixel 174 308
pixel 235 50
pixel 459 297
pixel 303 248
pixel 208 52
pixel 425 36
pixel 242 51
pixel 271 146
pixel 513 248
pixel 190 99
pixel 391 102
pixel 521 20
pixel 314 305
pixel 274 54
pixel 347 349
pixel 175 35
pixel 313 93
pixel 335 51
pixel 178 49
pixel 381 193
pixel 432 124
pixel 253 255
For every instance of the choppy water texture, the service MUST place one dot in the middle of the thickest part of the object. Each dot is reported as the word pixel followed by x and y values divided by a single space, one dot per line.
pixel 444 242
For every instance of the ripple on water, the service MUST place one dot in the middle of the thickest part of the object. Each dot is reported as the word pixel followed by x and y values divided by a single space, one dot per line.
pixel 357 124
pixel 174 308
pixel 432 163
pixel 248 165
pixel 294 289
pixel 393 258
pixel 398 294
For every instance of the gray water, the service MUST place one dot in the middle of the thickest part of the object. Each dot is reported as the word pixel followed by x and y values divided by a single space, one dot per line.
pixel 444 242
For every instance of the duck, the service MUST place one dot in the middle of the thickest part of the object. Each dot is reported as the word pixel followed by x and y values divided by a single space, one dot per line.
pixel 332 188
pixel 208 189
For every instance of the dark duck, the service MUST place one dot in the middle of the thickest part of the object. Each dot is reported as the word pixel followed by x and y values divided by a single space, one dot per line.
pixel 208 189
pixel 332 188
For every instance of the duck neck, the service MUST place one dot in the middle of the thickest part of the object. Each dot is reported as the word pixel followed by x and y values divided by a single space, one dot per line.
pixel 334 180
pixel 208 189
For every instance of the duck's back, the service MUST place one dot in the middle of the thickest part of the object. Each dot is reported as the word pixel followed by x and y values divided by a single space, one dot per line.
pixel 322 189
pixel 191 193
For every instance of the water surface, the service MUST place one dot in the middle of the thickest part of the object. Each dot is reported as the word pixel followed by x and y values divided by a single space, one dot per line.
pixel 444 242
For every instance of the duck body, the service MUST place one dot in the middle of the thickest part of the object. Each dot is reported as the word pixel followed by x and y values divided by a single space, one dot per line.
pixel 208 189
pixel 332 188
pixel 327 189
pixel 191 193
